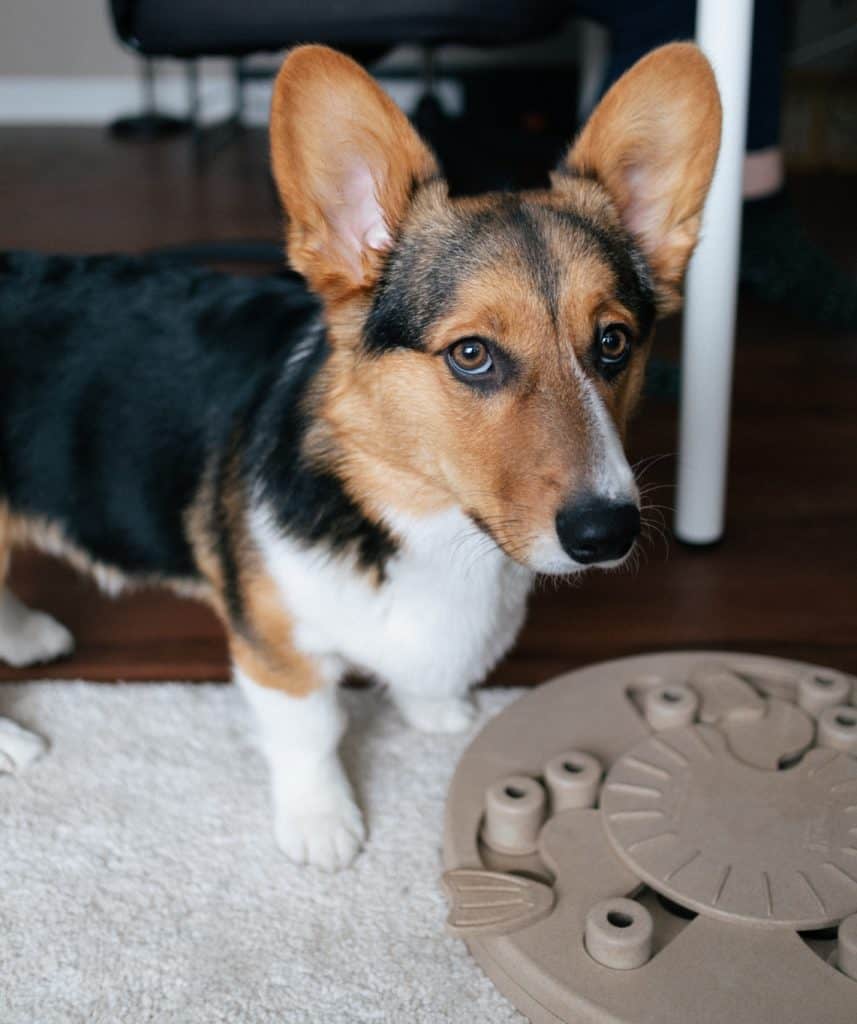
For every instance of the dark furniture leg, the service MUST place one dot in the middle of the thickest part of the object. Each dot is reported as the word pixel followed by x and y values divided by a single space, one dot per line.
pixel 149 124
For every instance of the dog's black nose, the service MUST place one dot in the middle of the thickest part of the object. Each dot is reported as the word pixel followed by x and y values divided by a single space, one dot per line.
pixel 593 529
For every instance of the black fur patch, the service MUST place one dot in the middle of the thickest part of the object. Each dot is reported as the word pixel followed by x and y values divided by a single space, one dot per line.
pixel 122 378
pixel 308 501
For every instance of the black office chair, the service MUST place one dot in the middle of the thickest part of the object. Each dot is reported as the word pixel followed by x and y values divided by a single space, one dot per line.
pixel 226 28
pixel 190 29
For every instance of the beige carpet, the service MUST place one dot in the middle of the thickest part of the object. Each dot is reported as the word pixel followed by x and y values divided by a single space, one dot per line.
pixel 139 881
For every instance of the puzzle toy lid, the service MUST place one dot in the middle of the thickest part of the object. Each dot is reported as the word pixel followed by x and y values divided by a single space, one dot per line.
pixel 664 839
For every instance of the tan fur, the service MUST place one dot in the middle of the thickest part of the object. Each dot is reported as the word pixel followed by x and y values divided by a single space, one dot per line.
pixel 44 535
pixel 202 543
pixel 264 651
pixel 653 142
pixel 326 111
pixel 261 645
pixel 200 529
pixel 267 655
pixel 405 435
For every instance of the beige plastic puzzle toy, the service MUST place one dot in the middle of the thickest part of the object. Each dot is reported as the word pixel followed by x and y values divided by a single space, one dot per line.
pixel 667 839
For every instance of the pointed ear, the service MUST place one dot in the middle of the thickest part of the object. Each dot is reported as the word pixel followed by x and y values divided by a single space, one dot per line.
pixel 652 143
pixel 345 160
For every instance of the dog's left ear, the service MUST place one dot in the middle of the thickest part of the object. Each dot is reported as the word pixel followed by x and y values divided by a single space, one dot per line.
pixel 652 142
pixel 346 161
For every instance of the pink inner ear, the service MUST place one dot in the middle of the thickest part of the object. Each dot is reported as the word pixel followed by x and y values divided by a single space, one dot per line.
pixel 645 211
pixel 357 219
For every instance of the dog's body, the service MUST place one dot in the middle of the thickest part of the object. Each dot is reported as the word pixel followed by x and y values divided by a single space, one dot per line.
pixel 216 369
pixel 366 469
pixel 123 380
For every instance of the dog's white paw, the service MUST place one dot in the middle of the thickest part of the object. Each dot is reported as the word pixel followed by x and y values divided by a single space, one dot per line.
pixel 18 747
pixel 450 714
pixel 328 838
pixel 29 637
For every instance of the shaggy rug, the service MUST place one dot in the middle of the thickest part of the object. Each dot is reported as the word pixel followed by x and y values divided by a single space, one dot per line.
pixel 139 881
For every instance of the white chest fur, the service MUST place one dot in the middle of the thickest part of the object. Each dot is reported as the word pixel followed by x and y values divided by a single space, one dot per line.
pixel 451 606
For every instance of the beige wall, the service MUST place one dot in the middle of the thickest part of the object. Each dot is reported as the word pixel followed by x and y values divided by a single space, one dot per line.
pixel 60 62
pixel 59 37
pixel 75 37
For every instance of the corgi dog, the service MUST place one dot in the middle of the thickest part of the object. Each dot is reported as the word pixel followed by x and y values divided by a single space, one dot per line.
pixel 362 465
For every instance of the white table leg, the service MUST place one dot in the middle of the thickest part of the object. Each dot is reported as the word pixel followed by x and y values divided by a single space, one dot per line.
pixel 724 32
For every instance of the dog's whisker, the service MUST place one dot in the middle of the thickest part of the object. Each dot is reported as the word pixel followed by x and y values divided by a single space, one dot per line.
pixel 644 465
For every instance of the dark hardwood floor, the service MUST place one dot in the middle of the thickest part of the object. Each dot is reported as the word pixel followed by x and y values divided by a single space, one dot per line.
pixel 783 581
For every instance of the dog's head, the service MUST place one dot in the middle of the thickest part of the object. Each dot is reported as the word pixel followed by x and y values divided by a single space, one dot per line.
pixel 487 352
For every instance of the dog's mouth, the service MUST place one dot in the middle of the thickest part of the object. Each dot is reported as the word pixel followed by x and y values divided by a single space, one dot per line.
pixel 549 558
pixel 604 541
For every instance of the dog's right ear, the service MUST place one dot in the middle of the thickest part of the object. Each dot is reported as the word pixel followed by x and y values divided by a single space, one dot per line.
pixel 346 161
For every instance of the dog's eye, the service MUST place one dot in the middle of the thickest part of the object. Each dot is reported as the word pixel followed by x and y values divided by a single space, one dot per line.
pixel 470 357
pixel 614 347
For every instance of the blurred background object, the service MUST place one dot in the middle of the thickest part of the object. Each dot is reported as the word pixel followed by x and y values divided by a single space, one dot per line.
pixel 64 63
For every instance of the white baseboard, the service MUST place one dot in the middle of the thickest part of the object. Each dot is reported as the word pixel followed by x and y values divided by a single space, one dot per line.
pixel 82 99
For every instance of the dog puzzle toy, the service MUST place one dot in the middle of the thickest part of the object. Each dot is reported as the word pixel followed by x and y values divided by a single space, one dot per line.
pixel 664 839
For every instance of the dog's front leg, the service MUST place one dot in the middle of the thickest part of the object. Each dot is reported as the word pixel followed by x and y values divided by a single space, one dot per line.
pixel 300 721
pixel 432 700
pixel 435 714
